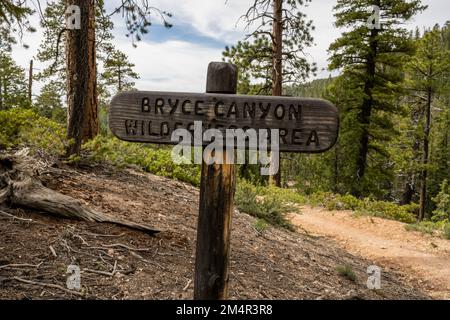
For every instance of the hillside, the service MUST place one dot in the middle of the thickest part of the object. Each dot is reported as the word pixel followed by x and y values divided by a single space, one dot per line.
pixel 118 263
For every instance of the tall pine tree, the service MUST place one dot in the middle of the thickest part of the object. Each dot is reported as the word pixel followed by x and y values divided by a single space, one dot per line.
pixel 371 58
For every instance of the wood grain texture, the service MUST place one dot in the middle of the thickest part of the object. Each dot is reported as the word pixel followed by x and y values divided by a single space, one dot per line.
pixel 216 209
pixel 153 116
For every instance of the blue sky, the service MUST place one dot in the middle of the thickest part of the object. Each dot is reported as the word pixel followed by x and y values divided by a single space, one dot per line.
pixel 176 59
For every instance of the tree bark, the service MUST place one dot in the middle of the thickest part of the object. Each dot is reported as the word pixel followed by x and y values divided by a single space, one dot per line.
pixel 30 83
pixel 336 169
pixel 277 71
pixel 82 123
pixel 1 95
pixel 366 112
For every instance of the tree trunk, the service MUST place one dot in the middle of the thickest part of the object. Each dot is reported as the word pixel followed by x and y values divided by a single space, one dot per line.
pixel 408 193
pixel 410 187
pixel 366 112
pixel 426 155
pixel 336 169
pixel 82 78
pixel 30 83
pixel 277 71
pixel 120 79
pixel 217 190
pixel 1 95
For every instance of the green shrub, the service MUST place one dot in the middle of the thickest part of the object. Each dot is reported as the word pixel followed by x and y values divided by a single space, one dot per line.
pixel 447 232
pixel 286 195
pixel 367 206
pixel 347 272
pixel 442 201
pixel 260 225
pixel 426 227
pixel 156 160
pixel 350 202
pixel 388 210
pixel 25 128
pixel 268 207
pixel 430 227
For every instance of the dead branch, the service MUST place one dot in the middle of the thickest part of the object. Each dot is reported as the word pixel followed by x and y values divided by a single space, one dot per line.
pixel 187 285
pixel 104 273
pixel 48 285
pixel 53 251
pixel 3 213
pixel 23 265
pixel 147 261
pixel 120 245
pixel 105 235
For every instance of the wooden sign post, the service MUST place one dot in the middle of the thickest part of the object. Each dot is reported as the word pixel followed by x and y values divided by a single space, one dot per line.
pixel 305 125
pixel 216 205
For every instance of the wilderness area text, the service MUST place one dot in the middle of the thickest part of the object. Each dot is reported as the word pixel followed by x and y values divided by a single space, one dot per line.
pixel 304 125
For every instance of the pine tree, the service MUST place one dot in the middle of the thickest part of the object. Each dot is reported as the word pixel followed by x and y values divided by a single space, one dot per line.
pixel 118 73
pixel 13 21
pixel 371 58
pixel 273 52
pixel 13 84
pixel 48 104
pixel 426 70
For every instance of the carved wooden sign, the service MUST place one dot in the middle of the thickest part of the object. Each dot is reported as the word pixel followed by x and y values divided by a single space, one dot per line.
pixel 305 125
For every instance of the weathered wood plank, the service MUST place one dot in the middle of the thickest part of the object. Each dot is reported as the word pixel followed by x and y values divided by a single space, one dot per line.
pixel 152 117
pixel 216 207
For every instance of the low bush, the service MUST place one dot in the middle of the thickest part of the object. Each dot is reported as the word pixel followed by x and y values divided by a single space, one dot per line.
pixel 441 228
pixel 367 206
pixel 156 160
pixel 442 201
pixel 25 128
pixel 347 272
pixel 258 202
pixel 260 225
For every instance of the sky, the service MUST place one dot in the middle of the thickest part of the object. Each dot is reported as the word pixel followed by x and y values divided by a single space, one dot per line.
pixel 176 59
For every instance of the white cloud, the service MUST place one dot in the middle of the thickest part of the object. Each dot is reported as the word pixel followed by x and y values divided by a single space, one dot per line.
pixel 213 18
pixel 171 66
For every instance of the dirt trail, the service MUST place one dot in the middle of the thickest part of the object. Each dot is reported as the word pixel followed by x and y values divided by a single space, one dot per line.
pixel 386 242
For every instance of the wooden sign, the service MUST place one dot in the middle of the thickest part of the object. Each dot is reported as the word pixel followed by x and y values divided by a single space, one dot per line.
pixel 305 125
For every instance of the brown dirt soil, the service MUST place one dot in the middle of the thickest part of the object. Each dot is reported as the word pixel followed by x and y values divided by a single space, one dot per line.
pixel 386 242
pixel 276 264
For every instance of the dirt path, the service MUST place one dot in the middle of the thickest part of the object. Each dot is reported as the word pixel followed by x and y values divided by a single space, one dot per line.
pixel 387 242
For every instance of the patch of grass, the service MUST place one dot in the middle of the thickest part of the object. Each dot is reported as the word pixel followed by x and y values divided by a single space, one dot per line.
pixel 260 225
pixel 347 272
pixel 430 227
pixel 258 202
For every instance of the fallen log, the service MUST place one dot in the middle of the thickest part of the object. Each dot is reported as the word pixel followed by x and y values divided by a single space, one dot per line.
pixel 21 188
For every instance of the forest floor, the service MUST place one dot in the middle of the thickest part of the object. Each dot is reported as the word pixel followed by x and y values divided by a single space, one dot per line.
pixel 386 242
pixel 118 263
